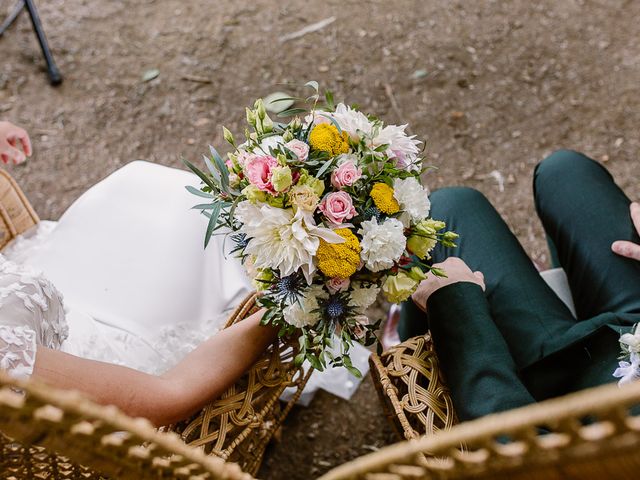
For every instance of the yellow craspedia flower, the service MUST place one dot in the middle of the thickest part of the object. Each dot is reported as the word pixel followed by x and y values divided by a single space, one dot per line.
pixel 382 195
pixel 339 260
pixel 325 137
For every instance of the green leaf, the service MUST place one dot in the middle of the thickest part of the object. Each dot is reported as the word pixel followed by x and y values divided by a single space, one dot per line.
pixel 292 111
pixel 324 168
pixel 328 96
pixel 204 206
pixel 354 371
pixel 197 192
pixel 315 362
pixel 312 84
pixel 213 221
pixel 222 168
pixel 200 174
pixel 332 120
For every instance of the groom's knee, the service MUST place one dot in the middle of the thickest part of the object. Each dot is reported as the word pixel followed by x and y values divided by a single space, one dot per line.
pixel 451 200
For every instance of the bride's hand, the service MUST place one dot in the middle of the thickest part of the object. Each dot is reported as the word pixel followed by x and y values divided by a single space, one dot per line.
pixel 456 270
pixel 11 139
pixel 625 248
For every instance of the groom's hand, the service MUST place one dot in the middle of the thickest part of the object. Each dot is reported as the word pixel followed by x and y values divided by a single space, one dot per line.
pixel 456 270
pixel 625 248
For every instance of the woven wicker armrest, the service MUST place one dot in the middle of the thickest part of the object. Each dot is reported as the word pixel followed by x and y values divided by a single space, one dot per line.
pixel 241 423
pixel 102 441
pixel 16 213
pixel 411 388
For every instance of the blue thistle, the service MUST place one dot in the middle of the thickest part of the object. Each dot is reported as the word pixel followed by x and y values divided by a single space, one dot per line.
pixel 372 212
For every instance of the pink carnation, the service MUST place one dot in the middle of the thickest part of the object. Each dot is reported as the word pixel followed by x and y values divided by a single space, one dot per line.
pixel 346 174
pixel 337 207
pixel 259 169
pixel 298 147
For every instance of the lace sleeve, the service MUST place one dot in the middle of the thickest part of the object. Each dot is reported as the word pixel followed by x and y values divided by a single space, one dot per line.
pixel 31 314
pixel 17 350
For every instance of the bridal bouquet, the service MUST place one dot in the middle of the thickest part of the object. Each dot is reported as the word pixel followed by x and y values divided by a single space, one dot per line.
pixel 326 211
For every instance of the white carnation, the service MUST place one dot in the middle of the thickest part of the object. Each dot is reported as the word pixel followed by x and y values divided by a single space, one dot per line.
pixel 301 314
pixel 268 143
pixel 382 244
pixel 363 297
pixel 282 240
pixel 413 199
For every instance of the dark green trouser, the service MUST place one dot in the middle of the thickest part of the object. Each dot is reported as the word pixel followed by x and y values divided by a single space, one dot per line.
pixel 517 343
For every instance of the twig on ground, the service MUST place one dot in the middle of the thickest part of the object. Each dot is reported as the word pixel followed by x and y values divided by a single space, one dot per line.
pixel 195 78
pixel 394 103
pixel 314 27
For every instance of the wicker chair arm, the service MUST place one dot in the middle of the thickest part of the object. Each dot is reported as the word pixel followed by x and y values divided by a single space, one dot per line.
pixel 411 388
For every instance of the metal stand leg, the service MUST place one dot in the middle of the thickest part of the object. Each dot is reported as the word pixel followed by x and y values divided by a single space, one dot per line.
pixel 17 10
pixel 55 78
pixel 54 74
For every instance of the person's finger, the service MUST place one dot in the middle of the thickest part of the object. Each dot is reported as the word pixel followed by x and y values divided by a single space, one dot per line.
pixel 480 277
pixel 16 155
pixel 23 136
pixel 635 215
pixel 626 249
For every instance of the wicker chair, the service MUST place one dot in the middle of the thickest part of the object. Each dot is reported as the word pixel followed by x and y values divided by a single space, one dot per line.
pixel 43 428
pixel 593 435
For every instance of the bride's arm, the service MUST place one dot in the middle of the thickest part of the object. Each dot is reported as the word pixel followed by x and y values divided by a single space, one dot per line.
pixel 201 376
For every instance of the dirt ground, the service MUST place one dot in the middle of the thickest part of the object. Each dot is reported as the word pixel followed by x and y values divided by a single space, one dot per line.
pixel 492 86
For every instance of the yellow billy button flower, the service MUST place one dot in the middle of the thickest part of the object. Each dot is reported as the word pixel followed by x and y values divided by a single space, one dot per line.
pixel 382 195
pixel 339 260
pixel 325 137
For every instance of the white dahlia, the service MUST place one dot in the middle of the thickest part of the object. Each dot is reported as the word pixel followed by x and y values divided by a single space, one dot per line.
pixel 355 123
pixel 382 244
pixel 280 239
pixel 402 147
pixel 301 314
pixel 413 199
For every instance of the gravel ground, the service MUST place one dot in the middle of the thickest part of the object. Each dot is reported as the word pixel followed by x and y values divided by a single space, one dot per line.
pixel 491 86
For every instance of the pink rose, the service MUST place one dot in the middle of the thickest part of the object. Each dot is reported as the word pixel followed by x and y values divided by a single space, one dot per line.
pixel 259 169
pixel 335 285
pixel 337 207
pixel 298 147
pixel 346 174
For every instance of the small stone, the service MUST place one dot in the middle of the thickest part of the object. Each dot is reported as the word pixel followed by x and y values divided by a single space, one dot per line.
pixel 604 158
pixel 202 122
pixel 456 115
pixel 323 68
pixel 618 143
pixel 191 141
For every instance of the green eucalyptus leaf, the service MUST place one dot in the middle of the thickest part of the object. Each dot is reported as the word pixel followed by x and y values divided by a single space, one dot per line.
pixel 200 174
pixel 213 221
pixel 197 192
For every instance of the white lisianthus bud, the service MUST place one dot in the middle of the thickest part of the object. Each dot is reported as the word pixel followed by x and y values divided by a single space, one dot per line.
pixel 251 117
pixel 260 110
pixel 228 136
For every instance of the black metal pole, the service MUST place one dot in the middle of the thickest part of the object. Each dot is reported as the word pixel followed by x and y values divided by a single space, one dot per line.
pixel 54 74
pixel 17 10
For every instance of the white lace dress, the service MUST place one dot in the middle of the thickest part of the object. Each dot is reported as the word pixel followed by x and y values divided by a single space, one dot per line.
pixel 139 288
pixel 31 314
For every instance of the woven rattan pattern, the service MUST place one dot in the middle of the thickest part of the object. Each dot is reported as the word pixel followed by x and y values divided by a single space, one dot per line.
pixel 411 388
pixel 508 446
pixel 239 425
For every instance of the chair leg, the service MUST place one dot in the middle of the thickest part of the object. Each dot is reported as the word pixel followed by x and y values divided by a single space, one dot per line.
pixel 55 78
pixel 17 10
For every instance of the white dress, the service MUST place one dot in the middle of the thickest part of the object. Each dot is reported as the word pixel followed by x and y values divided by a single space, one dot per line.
pixel 139 288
